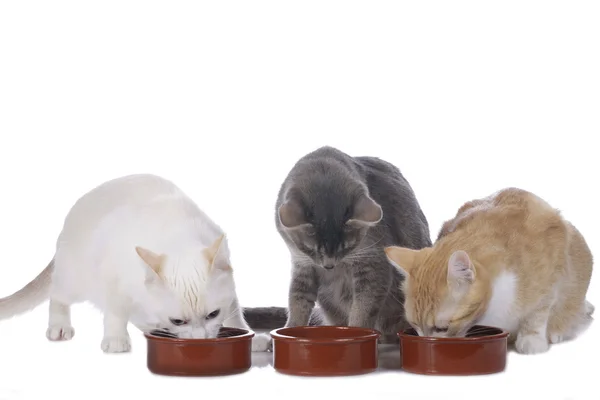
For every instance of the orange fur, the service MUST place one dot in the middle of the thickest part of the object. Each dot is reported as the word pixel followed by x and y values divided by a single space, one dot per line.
pixel 511 245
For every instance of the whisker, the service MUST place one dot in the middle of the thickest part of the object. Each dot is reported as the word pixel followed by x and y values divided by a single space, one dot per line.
pixel 480 331
pixel 478 328
pixel 223 334
pixel 163 333
pixel 231 314
pixel 371 245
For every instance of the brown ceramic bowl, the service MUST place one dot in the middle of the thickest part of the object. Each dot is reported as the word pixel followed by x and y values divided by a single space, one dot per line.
pixel 482 351
pixel 229 353
pixel 324 350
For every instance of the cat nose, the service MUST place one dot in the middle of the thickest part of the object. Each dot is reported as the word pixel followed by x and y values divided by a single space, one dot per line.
pixel 328 266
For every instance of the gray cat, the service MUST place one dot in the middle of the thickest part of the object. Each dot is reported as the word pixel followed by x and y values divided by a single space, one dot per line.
pixel 336 213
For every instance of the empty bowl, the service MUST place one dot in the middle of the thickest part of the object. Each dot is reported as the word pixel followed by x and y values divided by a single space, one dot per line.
pixel 229 353
pixel 482 351
pixel 324 350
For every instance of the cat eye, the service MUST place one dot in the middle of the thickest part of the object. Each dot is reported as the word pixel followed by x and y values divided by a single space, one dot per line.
pixel 213 314
pixel 178 322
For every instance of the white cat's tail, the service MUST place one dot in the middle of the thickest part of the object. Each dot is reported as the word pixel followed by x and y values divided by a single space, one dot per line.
pixel 29 297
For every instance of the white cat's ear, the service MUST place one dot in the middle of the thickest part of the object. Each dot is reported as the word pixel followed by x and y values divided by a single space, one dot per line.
pixel 217 254
pixel 366 211
pixel 153 260
pixel 403 258
pixel 461 270
pixel 291 214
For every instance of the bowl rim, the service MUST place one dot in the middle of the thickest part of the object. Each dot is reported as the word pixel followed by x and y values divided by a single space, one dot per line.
pixel 478 339
pixel 246 334
pixel 363 334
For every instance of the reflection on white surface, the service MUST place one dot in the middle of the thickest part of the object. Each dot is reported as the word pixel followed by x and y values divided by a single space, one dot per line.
pixel 389 358
pixel 9 394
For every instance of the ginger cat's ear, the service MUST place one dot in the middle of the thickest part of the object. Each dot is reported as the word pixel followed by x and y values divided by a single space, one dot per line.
pixel 461 270
pixel 217 254
pixel 402 258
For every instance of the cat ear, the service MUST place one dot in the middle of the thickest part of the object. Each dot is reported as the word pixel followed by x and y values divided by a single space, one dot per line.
pixel 291 214
pixel 366 211
pixel 460 269
pixel 152 260
pixel 217 254
pixel 402 258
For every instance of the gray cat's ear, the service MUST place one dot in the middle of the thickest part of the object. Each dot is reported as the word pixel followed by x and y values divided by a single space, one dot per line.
pixel 291 214
pixel 217 254
pixel 366 211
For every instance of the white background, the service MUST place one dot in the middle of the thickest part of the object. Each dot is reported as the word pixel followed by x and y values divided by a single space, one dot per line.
pixel 223 97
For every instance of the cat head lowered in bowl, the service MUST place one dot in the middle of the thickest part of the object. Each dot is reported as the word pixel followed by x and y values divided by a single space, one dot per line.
pixel 328 230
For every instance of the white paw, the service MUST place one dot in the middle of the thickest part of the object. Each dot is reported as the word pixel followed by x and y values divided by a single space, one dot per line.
pixel 116 344
pixel 58 333
pixel 589 308
pixel 556 338
pixel 531 344
pixel 261 342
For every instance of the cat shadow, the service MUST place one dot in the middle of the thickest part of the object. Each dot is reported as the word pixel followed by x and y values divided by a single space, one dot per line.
pixel 389 357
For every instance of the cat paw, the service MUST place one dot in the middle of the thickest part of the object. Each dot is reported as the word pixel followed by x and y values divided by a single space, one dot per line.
pixel 531 344
pixel 116 344
pixel 60 333
pixel 589 308
pixel 262 342
pixel 555 338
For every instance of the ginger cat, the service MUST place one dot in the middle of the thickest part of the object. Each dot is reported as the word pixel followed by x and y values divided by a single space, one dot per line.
pixel 509 260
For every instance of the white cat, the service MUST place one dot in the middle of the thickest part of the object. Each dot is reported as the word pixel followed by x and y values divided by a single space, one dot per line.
pixel 142 252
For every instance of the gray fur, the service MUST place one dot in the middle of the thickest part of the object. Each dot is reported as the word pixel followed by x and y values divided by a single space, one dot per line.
pixel 336 213
pixel 268 318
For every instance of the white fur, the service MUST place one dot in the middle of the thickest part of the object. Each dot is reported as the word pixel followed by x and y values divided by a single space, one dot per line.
pixel 503 312
pixel 500 312
pixel 96 261
pixel 501 308
pixel 532 344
